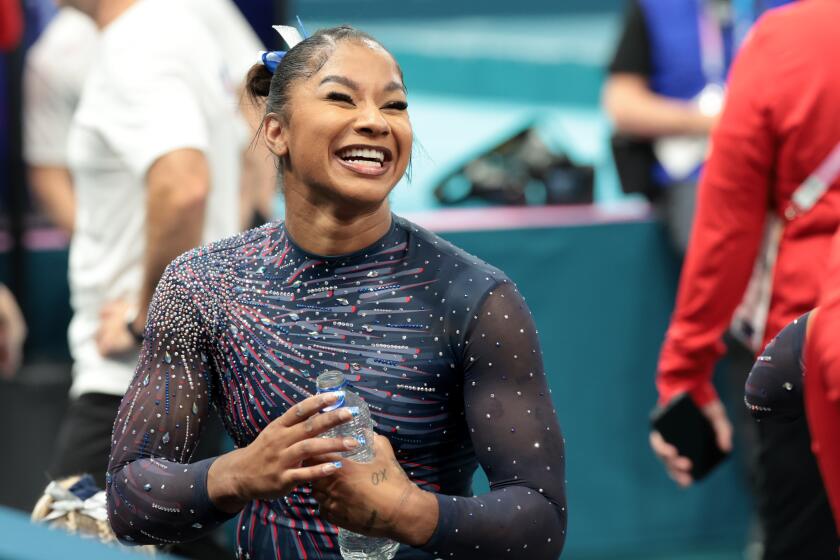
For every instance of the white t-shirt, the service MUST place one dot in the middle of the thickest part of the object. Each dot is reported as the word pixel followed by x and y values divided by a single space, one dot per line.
pixel 57 64
pixel 158 85
pixel 56 67
pixel 233 35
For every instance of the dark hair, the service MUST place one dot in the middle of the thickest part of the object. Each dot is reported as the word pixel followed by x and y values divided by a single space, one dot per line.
pixel 301 62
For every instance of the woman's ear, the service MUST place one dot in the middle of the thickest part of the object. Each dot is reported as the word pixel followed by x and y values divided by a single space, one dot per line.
pixel 274 135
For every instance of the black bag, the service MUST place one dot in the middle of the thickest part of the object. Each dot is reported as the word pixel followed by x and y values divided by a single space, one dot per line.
pixel 634 161
pixel 520 170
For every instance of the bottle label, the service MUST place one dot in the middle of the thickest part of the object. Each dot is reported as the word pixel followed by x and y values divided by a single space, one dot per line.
pixel 338 403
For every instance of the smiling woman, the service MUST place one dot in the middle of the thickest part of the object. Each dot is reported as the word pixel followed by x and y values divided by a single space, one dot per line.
pixel 439 344
pixel 348 139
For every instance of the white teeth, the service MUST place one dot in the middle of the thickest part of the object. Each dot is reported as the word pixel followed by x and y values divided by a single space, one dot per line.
pixel 368 153
pixel 365 163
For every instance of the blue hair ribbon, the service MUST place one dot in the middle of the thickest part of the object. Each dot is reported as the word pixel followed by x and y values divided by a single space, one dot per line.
pixel 271 59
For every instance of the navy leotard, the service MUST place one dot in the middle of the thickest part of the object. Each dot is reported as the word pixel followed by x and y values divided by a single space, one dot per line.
pixel 440 345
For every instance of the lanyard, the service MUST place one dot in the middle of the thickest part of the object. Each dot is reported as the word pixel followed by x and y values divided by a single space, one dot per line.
pixel 810 191
pixel 712 53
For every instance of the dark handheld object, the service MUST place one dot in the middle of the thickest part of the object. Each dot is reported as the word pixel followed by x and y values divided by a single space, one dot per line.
pixel 685 427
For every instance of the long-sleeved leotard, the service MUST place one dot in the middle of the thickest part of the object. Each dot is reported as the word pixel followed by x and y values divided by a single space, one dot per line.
pixel 440 345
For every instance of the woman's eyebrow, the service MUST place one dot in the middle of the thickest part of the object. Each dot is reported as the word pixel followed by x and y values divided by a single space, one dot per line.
pixel 392 86
pixel 341 80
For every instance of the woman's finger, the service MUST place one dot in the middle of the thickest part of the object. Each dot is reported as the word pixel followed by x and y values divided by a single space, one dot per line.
pixel 326 458
pixel 318 447
pixel 308 407
pixel 302 475
pixel 320 423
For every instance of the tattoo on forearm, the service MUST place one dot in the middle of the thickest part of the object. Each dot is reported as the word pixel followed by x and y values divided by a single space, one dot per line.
pixel 378 476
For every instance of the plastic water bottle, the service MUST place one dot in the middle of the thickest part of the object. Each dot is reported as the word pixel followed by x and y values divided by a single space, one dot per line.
pixel 354 546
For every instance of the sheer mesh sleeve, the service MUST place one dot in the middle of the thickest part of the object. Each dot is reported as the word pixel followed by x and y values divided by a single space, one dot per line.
pixel 154 495
pixel 774 388
pixel 517 440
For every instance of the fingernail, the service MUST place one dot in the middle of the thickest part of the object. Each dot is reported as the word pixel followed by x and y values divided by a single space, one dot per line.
pixel 354 410
pixel 330 467
pixel 360 439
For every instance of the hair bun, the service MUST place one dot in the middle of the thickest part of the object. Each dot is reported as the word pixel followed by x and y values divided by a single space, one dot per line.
pixel 258 81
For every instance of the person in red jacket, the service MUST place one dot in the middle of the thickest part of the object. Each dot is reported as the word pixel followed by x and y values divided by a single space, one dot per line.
pixel 822 384
pixel 11 24
pixel 781 119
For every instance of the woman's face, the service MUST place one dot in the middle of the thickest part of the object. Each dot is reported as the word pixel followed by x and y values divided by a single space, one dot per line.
pixel 347 134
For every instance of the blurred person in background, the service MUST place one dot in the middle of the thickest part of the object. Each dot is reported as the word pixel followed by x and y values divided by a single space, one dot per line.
pixel 440 344
pixel 663 94
pixel 54 74
pixel 12 333
pixel 780 123
pixel 154 152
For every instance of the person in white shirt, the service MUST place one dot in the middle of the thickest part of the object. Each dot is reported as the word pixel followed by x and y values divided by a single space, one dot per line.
pixel 53 77
pixel 54 74
pixel 154 152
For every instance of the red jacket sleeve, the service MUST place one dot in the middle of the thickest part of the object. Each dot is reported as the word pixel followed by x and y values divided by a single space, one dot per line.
pixel 733 198
pixel 11 24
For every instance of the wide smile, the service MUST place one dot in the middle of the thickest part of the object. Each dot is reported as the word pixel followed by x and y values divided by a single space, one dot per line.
pixel 370 161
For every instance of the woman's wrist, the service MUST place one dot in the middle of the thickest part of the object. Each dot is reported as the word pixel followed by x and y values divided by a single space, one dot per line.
pixel 416 517
pixel 223 486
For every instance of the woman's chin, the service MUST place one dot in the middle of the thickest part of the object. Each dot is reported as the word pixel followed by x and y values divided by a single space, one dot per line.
pixel 364 192
pixel 365 197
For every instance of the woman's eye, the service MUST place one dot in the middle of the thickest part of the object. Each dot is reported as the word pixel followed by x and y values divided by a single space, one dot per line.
pixel 397 105
pixel 340 97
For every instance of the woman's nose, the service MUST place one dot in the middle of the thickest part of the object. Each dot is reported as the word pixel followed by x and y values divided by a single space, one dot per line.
pixel 371 122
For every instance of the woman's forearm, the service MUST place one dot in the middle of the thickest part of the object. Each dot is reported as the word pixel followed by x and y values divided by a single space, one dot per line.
pixel 416 517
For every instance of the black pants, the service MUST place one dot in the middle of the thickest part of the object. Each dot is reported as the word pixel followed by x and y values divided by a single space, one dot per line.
pixel 792 504
pixel 83 446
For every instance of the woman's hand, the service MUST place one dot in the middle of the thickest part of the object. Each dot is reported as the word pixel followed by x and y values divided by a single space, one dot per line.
pixel 113 337
pixel 378 499
pixel 12 333
pixel 272 465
